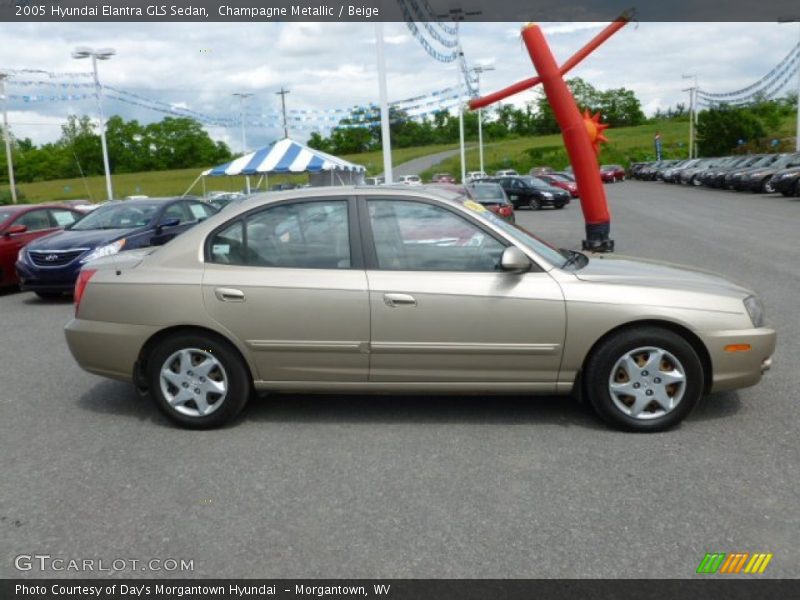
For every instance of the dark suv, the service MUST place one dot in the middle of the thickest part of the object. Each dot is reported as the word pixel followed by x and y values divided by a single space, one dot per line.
pixel 532 192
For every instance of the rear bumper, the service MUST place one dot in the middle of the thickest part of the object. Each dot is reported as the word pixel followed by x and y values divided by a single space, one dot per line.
pixel 733 370
pixel 107 349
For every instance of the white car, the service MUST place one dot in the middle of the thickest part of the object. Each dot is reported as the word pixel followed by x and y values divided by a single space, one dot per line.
pixel 506 173
pixel 476 175
pixel 410 179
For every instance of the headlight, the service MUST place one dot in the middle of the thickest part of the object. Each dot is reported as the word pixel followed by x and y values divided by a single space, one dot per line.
pixel 106 250
pixel 755 309
pixel 547 194
pixel 21 255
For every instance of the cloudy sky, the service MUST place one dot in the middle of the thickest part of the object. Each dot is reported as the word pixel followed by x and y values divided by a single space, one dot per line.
pixel 330 66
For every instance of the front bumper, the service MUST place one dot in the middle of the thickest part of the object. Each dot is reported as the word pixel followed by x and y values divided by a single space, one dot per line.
pixel 733 370
pixel 47 280
pixel 784 185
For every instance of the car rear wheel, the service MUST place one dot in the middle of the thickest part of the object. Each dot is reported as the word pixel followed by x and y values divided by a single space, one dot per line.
pixel 198 380
pixel 534 204
pixel 767 187
pixel 645 379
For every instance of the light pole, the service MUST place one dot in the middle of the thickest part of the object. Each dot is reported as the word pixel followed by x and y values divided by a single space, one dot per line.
pixel 242 97
pixel 383 96
pixel 7 136
pixel 478 70
pixel 797 138
pixel 692 111
pixel 100 54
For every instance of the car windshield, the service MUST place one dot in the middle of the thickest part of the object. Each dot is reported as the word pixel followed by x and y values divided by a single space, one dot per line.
pixel 118 216
pixel 524 237
pixel 783 161
pixel 5 215
pixel 535 182
pixel 488 192
pixel 559 177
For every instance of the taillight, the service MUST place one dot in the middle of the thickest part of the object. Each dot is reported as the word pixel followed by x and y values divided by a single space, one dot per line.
pixel 80 286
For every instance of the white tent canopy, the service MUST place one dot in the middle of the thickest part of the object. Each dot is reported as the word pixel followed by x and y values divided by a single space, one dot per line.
pixel 288 156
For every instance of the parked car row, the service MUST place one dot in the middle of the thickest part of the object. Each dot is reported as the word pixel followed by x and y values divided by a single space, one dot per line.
pixel 762 173
pixel 43 247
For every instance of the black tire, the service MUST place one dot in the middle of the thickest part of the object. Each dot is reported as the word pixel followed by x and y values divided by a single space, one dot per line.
pixel 231 366
pixel 604 358
pixel 49 295
pixel 797 188
pixel 767 187
pixel 534 203
pixel 560 205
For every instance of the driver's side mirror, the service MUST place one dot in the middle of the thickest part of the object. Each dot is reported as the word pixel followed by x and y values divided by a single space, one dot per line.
pixel 165 223
pixel 16 229
pixel 514 260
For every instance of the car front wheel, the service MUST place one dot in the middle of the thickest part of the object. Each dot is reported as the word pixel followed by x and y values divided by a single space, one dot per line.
pixel 645 379
pixel 767 187
pixel 198 380
pixel 534 203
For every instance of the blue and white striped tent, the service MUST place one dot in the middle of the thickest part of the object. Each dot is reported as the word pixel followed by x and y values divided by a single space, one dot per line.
pixel 288 156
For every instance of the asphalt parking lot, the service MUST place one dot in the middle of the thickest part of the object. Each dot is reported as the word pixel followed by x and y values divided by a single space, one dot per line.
pixel 333 486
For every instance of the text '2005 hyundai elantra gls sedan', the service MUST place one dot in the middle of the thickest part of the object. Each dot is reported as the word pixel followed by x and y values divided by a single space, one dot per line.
pixel 401 290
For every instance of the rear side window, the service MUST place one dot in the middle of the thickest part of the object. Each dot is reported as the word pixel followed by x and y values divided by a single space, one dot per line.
pixel 301 235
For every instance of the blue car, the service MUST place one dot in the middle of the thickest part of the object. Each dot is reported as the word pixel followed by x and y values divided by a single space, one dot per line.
pixel 50 265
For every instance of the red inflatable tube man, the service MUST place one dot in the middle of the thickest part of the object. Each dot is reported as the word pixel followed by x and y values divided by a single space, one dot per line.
pixel 581 133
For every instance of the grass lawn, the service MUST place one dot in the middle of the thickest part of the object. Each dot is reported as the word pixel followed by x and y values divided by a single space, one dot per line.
pixel 171 183
pixel 625 145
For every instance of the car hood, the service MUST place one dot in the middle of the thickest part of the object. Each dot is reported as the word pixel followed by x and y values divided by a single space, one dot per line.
pixel 68 239
pixel 650 273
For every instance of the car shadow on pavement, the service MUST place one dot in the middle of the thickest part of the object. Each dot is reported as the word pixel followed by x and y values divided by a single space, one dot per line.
pixel 34 300
pixel 379 408
pixel 120 398
pixel 716 406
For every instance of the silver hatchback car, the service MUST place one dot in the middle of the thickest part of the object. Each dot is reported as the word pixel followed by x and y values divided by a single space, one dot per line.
pixel 397 289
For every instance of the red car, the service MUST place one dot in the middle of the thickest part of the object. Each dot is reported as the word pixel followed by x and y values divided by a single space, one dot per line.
pixel 21 224
pixel 443 178
pixel 612 173
pixel 561 181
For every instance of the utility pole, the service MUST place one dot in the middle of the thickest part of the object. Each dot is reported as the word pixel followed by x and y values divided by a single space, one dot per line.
pixel 797 139
pixel 282 94
pixel 242 97
pixel 478 70
pixel 692 113
pixel 7 136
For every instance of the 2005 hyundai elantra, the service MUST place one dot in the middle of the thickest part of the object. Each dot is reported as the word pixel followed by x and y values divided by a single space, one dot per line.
pixel 407 290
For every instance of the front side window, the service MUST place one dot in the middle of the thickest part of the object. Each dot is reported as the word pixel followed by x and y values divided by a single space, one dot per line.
pixel 35 220
pixel 414 236
pixel 301 235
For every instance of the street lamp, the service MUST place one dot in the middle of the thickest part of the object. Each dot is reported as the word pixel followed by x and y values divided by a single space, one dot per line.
pixel 478 70
pixel 692 112
pixel 242 97
pixel 797 139
pixel 7 136
pixel 99 54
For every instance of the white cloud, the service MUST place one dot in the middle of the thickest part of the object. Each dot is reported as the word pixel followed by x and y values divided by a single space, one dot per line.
pixel 333 65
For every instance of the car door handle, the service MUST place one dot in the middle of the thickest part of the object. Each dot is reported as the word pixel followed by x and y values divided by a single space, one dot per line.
pixel 395 300
pixel 229 295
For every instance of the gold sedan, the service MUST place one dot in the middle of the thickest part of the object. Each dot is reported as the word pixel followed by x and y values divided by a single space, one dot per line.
pixel 364 290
